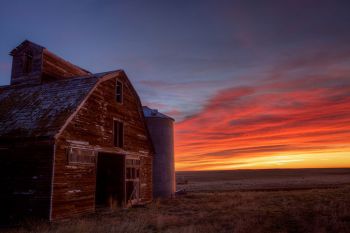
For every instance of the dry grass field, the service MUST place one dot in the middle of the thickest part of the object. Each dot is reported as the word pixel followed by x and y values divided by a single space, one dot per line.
pixel 274 179
pixel 318 207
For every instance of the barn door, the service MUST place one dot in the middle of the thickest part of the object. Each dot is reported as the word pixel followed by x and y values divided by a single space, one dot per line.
pixel 110 180
pixel 132 181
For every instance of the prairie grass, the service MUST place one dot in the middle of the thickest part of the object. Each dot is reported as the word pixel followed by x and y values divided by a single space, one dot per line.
pixel 316 210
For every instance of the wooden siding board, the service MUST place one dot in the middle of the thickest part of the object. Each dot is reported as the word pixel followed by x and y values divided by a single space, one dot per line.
pixel 93 123
pixel 73 186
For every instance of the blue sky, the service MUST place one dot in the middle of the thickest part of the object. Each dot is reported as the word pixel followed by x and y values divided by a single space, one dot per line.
pixel 183 56
pixel 178 44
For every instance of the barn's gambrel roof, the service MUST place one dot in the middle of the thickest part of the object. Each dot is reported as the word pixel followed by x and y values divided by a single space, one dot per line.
pixel 42 110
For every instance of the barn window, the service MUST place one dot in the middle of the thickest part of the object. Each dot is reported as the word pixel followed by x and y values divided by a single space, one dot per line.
pixel 28 63
pixel 118 132
pixel 132 169
pixel 80 156
pixel 119 92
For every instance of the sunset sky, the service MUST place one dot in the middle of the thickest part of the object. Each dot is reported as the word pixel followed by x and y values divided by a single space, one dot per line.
pixel 251 84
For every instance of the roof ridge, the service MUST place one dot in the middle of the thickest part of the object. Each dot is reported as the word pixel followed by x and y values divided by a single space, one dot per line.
pixel 92 75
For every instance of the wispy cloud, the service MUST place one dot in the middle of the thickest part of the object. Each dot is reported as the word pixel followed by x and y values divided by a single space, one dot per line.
pixel 265 120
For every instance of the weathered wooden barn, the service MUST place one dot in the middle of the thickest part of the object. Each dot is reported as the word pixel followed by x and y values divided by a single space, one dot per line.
pixel 70 141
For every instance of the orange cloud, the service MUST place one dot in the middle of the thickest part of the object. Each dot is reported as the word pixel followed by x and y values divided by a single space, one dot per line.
pixel 272 126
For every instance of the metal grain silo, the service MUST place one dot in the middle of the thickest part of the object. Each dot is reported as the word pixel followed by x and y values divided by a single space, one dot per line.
pixel 161 129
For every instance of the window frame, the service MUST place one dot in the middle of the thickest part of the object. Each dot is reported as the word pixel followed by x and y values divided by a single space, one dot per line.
pixel 27 66
pixel 118 142
pixel 119 98
pixel 80 156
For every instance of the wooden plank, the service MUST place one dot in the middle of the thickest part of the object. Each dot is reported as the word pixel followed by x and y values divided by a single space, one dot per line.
pixel 74 186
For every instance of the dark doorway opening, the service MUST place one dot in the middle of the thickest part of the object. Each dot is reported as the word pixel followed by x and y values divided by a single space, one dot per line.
pixel 110 180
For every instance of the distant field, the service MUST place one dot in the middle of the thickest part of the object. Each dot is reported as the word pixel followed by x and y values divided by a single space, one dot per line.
pixel 284 179
pixel 271 201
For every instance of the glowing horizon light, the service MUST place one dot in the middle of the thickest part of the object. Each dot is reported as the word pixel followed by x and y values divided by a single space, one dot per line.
pixel 295 160
pixel 272 125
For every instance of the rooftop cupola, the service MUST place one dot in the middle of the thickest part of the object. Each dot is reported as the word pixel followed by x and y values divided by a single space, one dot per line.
pixel 26 63
pixel 34 64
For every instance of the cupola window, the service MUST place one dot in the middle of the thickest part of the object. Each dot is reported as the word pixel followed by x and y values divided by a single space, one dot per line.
pixel 28 63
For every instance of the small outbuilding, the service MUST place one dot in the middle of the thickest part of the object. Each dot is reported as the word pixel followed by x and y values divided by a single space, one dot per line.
pixel 71 142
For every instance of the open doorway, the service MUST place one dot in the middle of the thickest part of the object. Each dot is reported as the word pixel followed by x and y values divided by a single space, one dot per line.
pixel 110 180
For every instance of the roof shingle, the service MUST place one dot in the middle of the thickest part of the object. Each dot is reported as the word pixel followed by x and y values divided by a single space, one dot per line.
pixel 41 110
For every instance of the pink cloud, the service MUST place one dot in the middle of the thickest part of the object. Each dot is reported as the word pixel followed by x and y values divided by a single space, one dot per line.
pixel 255 121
